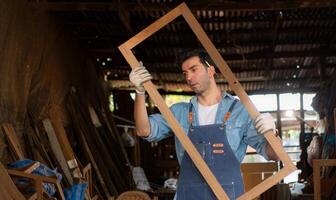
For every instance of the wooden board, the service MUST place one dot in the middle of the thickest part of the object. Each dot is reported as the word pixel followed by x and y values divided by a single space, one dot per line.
pixel 13 140
pixel 55 118
pixel 183 10
pixel 87 175
pixel 255 173
pixel 56 148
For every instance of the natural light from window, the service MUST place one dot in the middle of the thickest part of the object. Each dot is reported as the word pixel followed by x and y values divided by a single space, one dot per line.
pixel 307 100
pixel 267 102
pixel 289 101
pixel 174 98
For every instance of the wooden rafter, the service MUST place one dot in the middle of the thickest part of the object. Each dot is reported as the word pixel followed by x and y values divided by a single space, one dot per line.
pixel 117 34
pixel 250 56
pixel 275 33
pixel 123 71
pixel 281 84
pixel 173 88
pixel 96 23
pixel 225 42
pixel 226 5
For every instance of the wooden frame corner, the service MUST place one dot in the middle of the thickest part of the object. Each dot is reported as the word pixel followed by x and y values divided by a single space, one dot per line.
pixel 184 11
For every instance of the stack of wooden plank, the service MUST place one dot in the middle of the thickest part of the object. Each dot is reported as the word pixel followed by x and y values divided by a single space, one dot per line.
pixel 99 143
pixel 91 138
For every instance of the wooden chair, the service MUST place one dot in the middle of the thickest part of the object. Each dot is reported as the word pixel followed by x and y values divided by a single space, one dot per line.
pixel 255 173
pixel 87 175
pixel 26 171
pixel 328 183
pixel 38 180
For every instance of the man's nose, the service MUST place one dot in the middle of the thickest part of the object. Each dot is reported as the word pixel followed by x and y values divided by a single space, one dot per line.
pixel 188 77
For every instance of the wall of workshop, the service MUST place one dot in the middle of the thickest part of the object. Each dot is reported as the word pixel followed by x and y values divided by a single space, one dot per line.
pixel 39 61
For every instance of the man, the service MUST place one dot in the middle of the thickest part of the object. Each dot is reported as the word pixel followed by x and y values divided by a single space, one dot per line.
pixel 218 125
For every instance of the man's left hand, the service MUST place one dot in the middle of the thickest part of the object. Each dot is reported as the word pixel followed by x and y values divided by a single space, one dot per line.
pixel 264 123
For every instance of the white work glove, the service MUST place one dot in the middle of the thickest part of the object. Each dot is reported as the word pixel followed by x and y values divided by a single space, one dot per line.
pixel 264 123
pixel 138 76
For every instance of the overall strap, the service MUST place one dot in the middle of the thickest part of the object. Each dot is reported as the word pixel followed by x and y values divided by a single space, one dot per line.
pixel 228 114
pixel 190 114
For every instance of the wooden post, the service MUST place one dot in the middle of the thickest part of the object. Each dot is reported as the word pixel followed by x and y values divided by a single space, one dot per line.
pixel 275 143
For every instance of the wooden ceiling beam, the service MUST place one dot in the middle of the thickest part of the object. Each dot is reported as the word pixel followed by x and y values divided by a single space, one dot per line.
pixel 275 33
pixel 249 91
pixel 264 54
pixel 123 71
pixel 178 78
pixel 226 5
pixel 174 91
pixel 242 80
pixel 276 86
pixel 117 34
pixel 155 47
pixel 142 22
pixel 287 30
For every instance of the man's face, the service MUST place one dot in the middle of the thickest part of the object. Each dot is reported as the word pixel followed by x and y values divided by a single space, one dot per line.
pixel 197 75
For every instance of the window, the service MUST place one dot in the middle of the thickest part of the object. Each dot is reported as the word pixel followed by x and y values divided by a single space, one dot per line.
pixel 310 116
pixel 290 126
pixel 289 101
pixel 111 102
pixel 307 101
pixel 267 102
pixel 263 103
pixel 176 98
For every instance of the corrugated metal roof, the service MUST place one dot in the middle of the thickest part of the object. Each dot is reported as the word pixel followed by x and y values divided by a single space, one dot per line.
pixel 271 46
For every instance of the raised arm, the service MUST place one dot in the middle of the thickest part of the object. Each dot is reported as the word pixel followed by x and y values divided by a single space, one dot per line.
pixel 138 76
pixel 264 123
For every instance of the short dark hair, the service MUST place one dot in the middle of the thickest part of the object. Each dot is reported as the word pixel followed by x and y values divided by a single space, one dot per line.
pixel 203 55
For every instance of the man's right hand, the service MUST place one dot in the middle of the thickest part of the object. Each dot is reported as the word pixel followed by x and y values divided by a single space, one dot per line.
pixel 138 77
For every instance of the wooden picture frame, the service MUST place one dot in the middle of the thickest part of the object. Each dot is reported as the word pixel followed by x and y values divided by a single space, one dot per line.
pixel 184 11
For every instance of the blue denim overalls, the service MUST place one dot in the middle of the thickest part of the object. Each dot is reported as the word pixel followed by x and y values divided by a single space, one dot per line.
pixel 212 143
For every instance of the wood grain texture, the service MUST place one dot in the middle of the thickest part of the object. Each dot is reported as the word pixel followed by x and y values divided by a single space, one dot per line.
pixel 8 190
pixel 275 143
pixel 317 164
pixel 13 140
pixel 38 180
pixel 56 148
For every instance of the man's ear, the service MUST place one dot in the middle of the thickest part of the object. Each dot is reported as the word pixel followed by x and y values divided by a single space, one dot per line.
pixel 211 70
